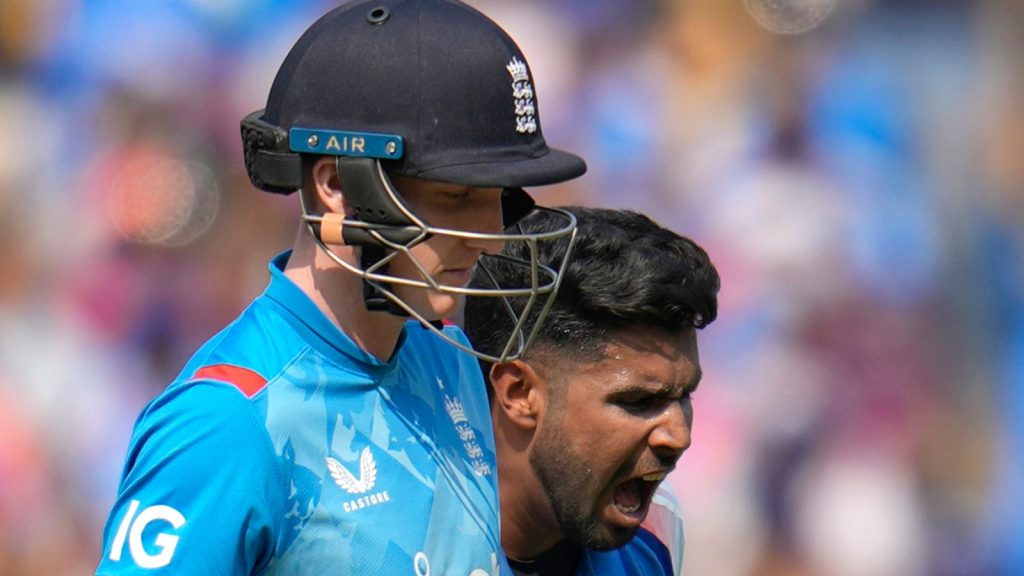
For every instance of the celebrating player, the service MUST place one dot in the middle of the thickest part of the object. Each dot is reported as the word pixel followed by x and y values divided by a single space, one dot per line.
pixel 323 431
pixel 591 420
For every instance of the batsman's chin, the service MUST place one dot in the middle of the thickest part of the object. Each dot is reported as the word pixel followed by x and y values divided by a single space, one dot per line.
pixel 444 305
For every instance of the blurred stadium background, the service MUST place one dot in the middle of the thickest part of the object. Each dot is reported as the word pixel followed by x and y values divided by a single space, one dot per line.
pixel 854 167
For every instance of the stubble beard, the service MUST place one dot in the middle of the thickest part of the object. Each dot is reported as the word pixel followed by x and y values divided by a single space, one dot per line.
pixel 571 492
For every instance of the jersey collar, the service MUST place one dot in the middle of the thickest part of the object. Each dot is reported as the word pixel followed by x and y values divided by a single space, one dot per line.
pixel 317 329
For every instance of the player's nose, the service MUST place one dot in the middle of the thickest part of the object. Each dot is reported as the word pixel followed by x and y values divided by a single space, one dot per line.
pixel 487 221
pixel 671 435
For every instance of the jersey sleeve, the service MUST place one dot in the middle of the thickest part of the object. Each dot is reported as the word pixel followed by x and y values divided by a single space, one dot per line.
pixel 200 489
pixel 664 527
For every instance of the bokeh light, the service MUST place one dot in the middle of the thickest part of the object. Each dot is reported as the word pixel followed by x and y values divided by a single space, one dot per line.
pixel 790 16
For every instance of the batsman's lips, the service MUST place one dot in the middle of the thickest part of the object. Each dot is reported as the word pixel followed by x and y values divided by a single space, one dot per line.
pixel 630 500
pixel 456 275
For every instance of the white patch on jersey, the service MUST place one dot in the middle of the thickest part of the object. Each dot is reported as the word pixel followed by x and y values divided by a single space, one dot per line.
pixel 132 527
pixel 347 481
pixel 364 483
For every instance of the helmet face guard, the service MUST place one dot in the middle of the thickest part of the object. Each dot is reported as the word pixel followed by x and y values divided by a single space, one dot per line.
pixel 397 230
pixel 383 226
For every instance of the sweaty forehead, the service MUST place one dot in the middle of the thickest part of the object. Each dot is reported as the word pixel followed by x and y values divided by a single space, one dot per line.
pixel 651 359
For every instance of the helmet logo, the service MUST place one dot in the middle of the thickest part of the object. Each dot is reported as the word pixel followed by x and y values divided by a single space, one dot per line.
pixel 522 93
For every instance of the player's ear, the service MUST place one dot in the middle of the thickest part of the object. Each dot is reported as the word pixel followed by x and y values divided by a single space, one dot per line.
pixel 327 185
pixel 520 393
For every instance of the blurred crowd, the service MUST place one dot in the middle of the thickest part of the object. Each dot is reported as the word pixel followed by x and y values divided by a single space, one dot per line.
pixel 855 168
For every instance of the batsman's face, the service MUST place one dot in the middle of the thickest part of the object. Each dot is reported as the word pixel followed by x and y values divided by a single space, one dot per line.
pixel 448 260
pixel 614 431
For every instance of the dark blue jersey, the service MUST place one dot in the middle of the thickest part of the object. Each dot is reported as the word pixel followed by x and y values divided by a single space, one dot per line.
pixel 656 550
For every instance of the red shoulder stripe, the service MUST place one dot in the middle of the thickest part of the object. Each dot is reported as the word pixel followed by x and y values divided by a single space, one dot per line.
pixel 247 381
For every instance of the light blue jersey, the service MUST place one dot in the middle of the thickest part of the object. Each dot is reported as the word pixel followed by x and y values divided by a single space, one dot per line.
pixel 283 448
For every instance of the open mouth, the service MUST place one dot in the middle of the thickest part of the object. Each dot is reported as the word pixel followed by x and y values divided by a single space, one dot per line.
pixel 632 498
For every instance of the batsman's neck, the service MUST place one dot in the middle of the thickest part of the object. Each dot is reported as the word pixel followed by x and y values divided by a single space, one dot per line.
pixel 338 293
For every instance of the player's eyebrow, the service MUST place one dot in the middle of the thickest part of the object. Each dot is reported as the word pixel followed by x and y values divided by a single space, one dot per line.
pixel 448 187
pixel 659 387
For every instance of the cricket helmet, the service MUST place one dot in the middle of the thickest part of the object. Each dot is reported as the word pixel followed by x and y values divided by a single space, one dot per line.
pixel 429 89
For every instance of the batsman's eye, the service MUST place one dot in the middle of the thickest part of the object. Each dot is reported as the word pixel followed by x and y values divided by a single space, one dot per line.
pixel 634 403
pixel 456 195
pixel 641 403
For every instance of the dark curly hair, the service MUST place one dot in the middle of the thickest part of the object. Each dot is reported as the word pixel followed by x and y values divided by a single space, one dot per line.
pixel 625 272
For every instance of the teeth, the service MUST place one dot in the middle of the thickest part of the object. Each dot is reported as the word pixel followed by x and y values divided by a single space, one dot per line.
pixel 627 509
pixel 654 477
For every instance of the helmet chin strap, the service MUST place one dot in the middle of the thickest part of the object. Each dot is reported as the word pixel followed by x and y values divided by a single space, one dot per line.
pixel 372 198
pixel 373 297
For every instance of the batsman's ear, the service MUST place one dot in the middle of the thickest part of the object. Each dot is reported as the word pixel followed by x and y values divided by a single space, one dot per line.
pixel 325 181
pixel 520 392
